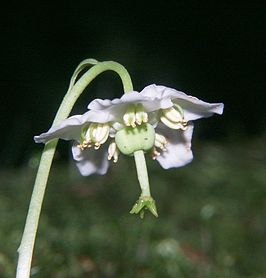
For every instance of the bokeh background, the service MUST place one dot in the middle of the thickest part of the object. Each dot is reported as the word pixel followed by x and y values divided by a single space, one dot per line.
pixel 212 212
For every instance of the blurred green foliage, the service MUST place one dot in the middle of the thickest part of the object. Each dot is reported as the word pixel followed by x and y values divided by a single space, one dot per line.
pixel 211 218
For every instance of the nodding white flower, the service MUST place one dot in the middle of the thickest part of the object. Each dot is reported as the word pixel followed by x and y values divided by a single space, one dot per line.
pixel 157 120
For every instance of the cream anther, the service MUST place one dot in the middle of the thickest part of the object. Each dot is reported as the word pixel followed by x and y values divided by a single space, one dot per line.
pixel 160 142
pixel 113 152
pixel 173 117
pixel 135 115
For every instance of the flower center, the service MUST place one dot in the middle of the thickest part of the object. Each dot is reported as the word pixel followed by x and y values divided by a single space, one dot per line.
pixel 131 139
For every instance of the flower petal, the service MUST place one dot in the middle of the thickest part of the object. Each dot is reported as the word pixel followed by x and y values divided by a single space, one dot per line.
pixel 102 104
pixel 157 100
pixel 90 161
pixel 68 129
pixel 107 109
pixel 193 107
pixel 113 110
pixel 178 151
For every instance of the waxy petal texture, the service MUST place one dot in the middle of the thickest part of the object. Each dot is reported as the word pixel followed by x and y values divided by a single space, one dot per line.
pixel 90 161
pixel 193 107
pixel 178 150
pixel 69 129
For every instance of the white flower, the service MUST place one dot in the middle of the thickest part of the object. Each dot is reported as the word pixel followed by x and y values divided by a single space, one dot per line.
pixel 157 120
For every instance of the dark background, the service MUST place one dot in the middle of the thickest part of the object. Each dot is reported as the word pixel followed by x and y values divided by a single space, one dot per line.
pixel 214 51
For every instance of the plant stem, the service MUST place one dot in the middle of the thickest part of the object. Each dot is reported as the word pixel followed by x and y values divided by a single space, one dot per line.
pixel 25 249
pixel 142 173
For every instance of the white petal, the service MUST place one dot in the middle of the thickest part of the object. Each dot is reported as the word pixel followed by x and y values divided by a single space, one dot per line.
pixel 69 129
pixel 116 108
pixel 193 107
pixel 107 110
pixel 133 97
pixel 178 151
pixel 154 99
pixel 90 161
pixel 101 104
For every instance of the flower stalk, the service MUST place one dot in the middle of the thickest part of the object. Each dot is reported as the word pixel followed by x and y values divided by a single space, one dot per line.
pixel 142 173
pixel 145 200
pixel 75 89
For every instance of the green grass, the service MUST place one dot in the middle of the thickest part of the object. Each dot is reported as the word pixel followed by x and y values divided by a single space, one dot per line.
pixel 211 218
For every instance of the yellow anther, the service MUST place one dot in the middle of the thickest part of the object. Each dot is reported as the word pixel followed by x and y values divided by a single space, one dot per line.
pixel 97 146
pixel 84 145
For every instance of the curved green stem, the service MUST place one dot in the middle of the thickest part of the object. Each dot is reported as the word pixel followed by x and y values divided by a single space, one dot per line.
pixel 25 249
pixel 73 93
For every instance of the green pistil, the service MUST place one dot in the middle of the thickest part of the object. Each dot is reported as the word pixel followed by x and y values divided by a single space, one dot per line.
pixel 132 139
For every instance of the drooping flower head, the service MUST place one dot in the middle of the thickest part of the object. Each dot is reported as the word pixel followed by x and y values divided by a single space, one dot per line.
pixel 167 114
pixel 157 120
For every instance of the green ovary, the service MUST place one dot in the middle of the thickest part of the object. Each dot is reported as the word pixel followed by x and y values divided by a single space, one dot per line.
pixel 132 139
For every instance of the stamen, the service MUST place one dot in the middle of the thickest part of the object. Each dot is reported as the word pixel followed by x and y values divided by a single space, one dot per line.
pixel 179 109
pixel 97 146
pixel 173 117
pixel 181 125
pixel 99 134
pixel 184 125
pixel 141 115
pixel 113 152
pixel 129 118
pixel 84 145
pixel 103 134
pixel 83 133
pixel 174 125
pixel 96 134
pixel 135 114
pixel 85 138
pixel 155 153
pixel 172 114
pixel 160 142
